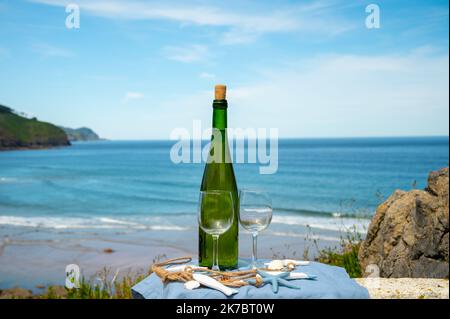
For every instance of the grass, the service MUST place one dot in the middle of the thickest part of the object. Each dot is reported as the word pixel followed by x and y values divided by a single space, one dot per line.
pixel 346 255
pixel 104 285
pixel 101 287
pixel 19 131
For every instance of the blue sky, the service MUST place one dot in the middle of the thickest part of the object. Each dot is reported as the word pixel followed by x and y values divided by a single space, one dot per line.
pixel 138 69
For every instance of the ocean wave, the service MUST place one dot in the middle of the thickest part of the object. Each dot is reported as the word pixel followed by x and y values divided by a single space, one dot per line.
pixel 7 180
pixel 334 224
pixel 178 228
pixel 116 221
pixel 303 236
pixel 178 222
pixel 84 223
pixel 307 212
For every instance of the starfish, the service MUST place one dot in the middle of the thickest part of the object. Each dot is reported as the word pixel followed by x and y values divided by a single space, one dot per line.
pixel 275 280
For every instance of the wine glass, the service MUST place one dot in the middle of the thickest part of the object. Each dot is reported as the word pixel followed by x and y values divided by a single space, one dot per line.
pixel 215 216
pixel 255 215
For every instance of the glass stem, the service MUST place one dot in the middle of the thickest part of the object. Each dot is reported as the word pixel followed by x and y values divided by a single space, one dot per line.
pixel 255 246
pixel 215 266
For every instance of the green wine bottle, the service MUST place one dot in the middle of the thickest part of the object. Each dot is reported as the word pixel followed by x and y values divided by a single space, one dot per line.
pixel 219 175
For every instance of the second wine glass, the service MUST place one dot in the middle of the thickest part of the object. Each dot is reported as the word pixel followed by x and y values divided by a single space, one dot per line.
pixel 255 215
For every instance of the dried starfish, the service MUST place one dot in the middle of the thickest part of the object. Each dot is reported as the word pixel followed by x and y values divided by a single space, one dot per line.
pixel 274 280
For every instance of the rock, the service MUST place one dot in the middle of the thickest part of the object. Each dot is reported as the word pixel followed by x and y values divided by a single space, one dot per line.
pixel 15 293
pixel 408 236
pixel 438 183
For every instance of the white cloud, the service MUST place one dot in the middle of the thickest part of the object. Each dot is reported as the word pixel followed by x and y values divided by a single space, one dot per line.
pixel 242 25
pixel 206 75
pixel 47 50
pixel 186 54
pixel 133 96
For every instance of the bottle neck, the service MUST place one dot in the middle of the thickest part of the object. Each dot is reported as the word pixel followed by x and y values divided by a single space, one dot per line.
pixel 220 114
pixel 219 152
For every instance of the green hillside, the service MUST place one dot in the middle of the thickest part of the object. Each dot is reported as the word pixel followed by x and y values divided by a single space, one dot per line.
pixel 19 132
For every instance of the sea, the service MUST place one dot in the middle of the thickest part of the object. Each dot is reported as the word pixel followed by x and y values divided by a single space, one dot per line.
pixel 101 185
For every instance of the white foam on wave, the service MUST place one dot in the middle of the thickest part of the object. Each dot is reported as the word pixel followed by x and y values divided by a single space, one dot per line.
pixel 324 223
pixel 303 236
pixel 160 227
pixel 82 223
pixel 7 180
pixel 174 223
pixel 116 221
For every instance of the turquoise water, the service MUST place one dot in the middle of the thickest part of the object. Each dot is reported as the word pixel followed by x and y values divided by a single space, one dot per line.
pixel 113 184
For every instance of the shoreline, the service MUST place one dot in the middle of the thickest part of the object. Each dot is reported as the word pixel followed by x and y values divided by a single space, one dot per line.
pixel 33 148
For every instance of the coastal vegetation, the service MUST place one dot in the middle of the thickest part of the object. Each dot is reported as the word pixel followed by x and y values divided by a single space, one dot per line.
pixel 346 255
pixel 19 132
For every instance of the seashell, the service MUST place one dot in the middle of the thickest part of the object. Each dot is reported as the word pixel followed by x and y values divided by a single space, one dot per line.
pixel 293 275
pixel 192 284
pixel 176 268
pixel 298 275
pixel 286 262
pixel 275 265
pixel 214 284
pixel 184 268
pixel 290 266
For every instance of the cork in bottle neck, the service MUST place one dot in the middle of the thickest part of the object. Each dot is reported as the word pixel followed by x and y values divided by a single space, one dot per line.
pixel 220 92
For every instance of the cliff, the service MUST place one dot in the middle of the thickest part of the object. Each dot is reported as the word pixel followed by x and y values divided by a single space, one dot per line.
pixel 18 132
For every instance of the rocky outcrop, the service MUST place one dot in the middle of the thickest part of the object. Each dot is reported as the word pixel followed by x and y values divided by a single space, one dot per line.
pixel 408 236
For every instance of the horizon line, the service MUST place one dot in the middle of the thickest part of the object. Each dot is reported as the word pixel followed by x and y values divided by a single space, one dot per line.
pixel 288 138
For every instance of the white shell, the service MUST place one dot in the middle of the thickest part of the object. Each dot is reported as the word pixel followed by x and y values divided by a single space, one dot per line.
pixel 183 268
pixel 192 284
pixel 176 268
pixel 275 265
pixel 214 284
pixel 298 275
pixel 295 262
pixel 292 275
pixel 280 264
